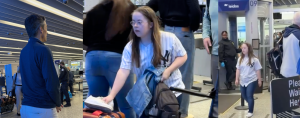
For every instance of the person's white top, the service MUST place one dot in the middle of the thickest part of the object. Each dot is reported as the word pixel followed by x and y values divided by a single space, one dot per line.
pixel 171 48
pixel 291 54
pixel 18 79
pixel 248 72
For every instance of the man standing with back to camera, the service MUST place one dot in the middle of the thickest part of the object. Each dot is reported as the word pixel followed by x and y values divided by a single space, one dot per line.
pixel 181 17
pixel 40 83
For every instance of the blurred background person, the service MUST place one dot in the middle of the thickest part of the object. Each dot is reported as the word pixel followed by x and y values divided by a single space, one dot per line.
pixel 64 80
pixel 71 80
pixel 18 90
pixel 227 58
pixel 105 33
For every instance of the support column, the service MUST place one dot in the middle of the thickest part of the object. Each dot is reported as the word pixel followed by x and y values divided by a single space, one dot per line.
pixel 223 20
pixel 252 23
pixel 233 30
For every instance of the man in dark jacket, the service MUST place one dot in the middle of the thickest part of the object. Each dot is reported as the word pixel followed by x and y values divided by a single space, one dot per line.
pixel 227 58
pixel 64 80
pixel 181 17
pixel 40 83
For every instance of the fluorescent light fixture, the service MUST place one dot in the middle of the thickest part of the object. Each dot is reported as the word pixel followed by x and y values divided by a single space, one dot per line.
pixel 53 10
pixel 9 51
pixel 19 40
pixel 52 51
pixel 49 32
pixel 10 57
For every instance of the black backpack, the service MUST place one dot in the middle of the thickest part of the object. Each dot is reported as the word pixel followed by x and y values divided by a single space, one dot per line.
pixel 164 103
pixel 275 56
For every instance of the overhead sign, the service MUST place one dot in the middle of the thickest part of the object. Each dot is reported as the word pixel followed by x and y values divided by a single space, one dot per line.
pixel 233 5
pixel 285 94
pixel 57 61
pixel 241 28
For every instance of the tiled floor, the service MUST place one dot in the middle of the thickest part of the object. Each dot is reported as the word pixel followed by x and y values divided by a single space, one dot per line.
pixel 262 108
pixel 199 107
pixel 75 111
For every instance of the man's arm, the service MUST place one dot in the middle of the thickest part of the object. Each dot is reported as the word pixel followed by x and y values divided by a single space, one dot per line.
pixel 50 76
pixel 206 25
pixel 153 5
pixel 195 14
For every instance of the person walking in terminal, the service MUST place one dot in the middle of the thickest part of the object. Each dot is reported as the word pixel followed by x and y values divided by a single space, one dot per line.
pixel 291 48
pixel 150 47
pixel 248 75
pixel 227 58
pixel 64 80
pixel 71 81
pixel 181 17
pixel 105 33
pixel 40 84
pixel 17 84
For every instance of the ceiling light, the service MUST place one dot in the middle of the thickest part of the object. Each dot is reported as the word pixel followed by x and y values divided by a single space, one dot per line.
pixel 19 40
pixel 53 10
pixel 52 51
pixel 49 32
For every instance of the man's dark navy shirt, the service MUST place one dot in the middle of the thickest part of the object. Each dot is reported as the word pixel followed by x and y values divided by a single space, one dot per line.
pixel 40 84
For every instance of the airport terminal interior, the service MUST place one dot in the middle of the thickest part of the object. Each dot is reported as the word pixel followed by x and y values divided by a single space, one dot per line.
pixel 64 23
pixel 65 39
pixel 269 18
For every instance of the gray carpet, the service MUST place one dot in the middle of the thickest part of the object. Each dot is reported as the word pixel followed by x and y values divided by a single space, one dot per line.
pixel 226 101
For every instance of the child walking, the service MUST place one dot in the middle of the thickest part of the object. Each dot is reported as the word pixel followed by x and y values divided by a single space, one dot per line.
pixel 150 47
pixel 248 75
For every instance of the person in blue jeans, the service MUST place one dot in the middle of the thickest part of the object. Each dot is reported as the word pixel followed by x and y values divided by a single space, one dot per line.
pixel 248 75
pixel 181 17
pixel 210 37
pixel 105 33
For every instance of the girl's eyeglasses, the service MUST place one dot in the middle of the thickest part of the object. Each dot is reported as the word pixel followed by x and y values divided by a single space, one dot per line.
pixel 138 23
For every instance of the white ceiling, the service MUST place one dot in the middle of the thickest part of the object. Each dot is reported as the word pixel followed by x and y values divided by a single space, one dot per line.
pixel 64 27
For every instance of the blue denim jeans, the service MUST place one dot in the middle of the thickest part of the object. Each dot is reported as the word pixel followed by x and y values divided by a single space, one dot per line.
pixel 247 94
pixel 101 69
pixel 187 69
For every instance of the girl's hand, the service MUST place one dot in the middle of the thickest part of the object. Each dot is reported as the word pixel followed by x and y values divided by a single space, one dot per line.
pixel 236 82
pixel 108 99
pixel 166 75
pixel 259 83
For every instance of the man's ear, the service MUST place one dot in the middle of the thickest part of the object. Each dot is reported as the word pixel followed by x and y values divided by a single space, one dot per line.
pixel 41 30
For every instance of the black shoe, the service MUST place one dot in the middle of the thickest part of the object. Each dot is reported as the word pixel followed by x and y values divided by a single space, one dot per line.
pixel 227 85
pixel 73 94
pixel 67 105
pixel 18 114
pixel 230 86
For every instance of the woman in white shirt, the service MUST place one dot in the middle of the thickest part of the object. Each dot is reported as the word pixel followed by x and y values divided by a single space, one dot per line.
pixel 248 75
pixel 150 47
pixel 18 90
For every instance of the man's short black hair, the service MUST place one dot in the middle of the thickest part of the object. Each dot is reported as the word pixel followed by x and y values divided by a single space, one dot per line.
pixel 62 63
pixel 33 23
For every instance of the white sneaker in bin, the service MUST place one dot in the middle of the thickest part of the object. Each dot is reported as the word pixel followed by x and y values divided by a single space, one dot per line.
pixel 98 103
